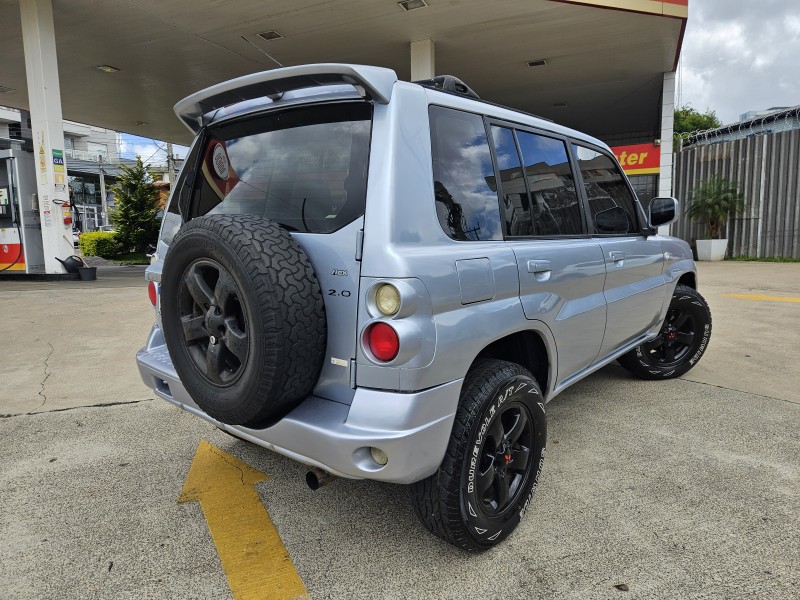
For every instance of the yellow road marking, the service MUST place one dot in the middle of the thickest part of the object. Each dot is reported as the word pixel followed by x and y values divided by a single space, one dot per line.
pixel 763 297
pixel 253 556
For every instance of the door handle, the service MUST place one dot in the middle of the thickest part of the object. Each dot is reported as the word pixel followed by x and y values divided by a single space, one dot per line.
pixel 539 266
pixel 616 255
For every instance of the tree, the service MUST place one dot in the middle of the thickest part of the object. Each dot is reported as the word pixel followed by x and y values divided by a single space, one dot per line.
pixel 713 202
pixel 689 120
pixel 135 214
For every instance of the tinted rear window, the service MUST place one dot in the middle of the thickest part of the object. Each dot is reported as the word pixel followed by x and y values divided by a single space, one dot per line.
pixel 305 168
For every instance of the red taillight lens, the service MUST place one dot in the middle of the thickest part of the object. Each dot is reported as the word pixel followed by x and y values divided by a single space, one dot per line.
pixel 383 342
pixel 152 293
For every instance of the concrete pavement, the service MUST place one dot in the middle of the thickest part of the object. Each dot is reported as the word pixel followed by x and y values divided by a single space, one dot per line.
pixel 680 489
pixel 72 343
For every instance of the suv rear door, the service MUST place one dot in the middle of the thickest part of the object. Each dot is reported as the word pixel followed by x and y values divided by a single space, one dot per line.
pixel 561 269
pixel 304 168
pixel 634 287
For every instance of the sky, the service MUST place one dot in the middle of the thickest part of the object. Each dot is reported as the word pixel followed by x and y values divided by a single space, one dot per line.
pixel 740 55
pixel 151 151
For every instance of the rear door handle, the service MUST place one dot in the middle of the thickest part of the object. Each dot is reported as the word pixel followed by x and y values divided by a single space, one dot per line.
pixel 616 255
pixel 539 266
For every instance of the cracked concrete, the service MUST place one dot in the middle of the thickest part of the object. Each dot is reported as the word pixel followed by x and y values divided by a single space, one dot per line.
pixel 55 410
pixel 73 343
pixel 47 374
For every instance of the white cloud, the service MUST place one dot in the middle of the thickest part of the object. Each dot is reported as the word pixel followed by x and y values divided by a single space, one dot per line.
pixel 740 56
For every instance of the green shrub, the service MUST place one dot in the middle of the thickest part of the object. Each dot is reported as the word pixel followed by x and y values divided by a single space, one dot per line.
pixel 99 243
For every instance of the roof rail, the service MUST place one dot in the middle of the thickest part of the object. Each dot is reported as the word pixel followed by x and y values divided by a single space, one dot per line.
pixel 376 82
pixel 448 83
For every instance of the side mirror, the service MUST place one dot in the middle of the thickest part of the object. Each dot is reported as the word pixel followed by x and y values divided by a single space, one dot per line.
pixel 663 211
pixel 613 220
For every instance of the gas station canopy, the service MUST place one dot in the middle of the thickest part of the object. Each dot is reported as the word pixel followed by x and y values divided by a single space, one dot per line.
pixel 124 64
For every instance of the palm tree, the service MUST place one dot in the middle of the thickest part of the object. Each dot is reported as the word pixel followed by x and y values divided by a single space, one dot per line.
pixel 714 201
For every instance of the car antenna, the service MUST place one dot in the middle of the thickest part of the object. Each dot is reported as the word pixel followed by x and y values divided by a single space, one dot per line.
pixel 260 49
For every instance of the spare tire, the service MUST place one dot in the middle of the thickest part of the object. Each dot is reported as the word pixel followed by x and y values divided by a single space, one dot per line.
pixel 243 318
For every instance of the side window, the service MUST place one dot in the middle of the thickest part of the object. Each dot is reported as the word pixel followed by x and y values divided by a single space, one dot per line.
pixel 516 203
pixel 612 207
pixel 463 176
pixel 555 208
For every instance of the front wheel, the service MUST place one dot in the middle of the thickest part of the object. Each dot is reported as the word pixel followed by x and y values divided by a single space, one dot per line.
pixel 681 342
pixel 487 478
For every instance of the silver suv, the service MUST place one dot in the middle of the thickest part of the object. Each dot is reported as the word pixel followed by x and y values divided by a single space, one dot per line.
pixel 389 280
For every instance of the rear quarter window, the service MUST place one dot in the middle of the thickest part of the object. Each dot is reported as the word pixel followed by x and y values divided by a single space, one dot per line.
pixel 464 183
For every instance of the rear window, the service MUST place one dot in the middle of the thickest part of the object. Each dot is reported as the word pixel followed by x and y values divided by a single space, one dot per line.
pixel 304 168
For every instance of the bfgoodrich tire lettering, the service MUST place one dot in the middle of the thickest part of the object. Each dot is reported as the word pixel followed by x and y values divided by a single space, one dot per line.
pixel 243 318
pixel 680 344
pixel 487 478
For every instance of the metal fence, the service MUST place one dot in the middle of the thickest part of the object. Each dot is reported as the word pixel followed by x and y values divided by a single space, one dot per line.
pixel 767 169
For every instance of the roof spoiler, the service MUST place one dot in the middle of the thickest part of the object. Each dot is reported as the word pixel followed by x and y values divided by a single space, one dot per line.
pixel 376 82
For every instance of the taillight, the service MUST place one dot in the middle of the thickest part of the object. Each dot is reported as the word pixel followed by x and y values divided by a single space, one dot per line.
pixel 383 341
pixel 152 293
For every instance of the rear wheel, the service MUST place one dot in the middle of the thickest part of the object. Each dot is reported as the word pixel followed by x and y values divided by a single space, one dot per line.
pixel 493 461
pixel 681 342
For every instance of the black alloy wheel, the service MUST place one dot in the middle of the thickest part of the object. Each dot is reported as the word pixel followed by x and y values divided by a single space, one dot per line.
pixel 680 343
pixel 505 459
pixel 213 322
pixel 674 341
pixel 493 460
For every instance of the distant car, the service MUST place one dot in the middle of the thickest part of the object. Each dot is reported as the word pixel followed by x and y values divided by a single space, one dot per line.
pixel 106 228
pixel 76 236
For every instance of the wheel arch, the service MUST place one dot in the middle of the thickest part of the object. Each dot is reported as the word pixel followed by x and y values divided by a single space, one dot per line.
pixel 688 279
pixel 529 348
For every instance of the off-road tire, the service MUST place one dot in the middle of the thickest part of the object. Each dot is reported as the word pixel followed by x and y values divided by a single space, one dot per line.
pixel 447 502
pixel 674 352
pixel 275 306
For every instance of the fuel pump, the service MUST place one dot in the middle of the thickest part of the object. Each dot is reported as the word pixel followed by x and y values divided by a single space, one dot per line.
pixel 21 248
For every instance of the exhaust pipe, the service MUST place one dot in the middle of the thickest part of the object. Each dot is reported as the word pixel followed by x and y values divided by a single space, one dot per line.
pixel 316 478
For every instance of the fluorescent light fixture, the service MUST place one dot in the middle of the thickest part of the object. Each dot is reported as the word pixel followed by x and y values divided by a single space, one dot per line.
pixel 270 35
pixel 6 90
pixel 407 5
pixel 106 68
pixel 539 62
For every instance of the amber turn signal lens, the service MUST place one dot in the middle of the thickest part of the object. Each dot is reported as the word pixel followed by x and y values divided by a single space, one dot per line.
pixel 387 298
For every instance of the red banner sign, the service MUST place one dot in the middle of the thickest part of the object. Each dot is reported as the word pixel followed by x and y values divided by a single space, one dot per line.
pixel 640 159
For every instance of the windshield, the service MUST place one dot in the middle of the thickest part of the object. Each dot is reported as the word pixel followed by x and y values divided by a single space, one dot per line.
pixel 304 168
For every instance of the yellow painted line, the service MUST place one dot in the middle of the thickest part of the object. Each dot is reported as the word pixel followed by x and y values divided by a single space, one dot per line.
pixel 762 297
pixel 252 554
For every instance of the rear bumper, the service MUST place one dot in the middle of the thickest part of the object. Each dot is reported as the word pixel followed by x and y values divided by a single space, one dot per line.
pixel 412 429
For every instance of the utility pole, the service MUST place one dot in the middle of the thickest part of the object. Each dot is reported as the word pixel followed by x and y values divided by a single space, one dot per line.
pixel 104 206
pixel 170 165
